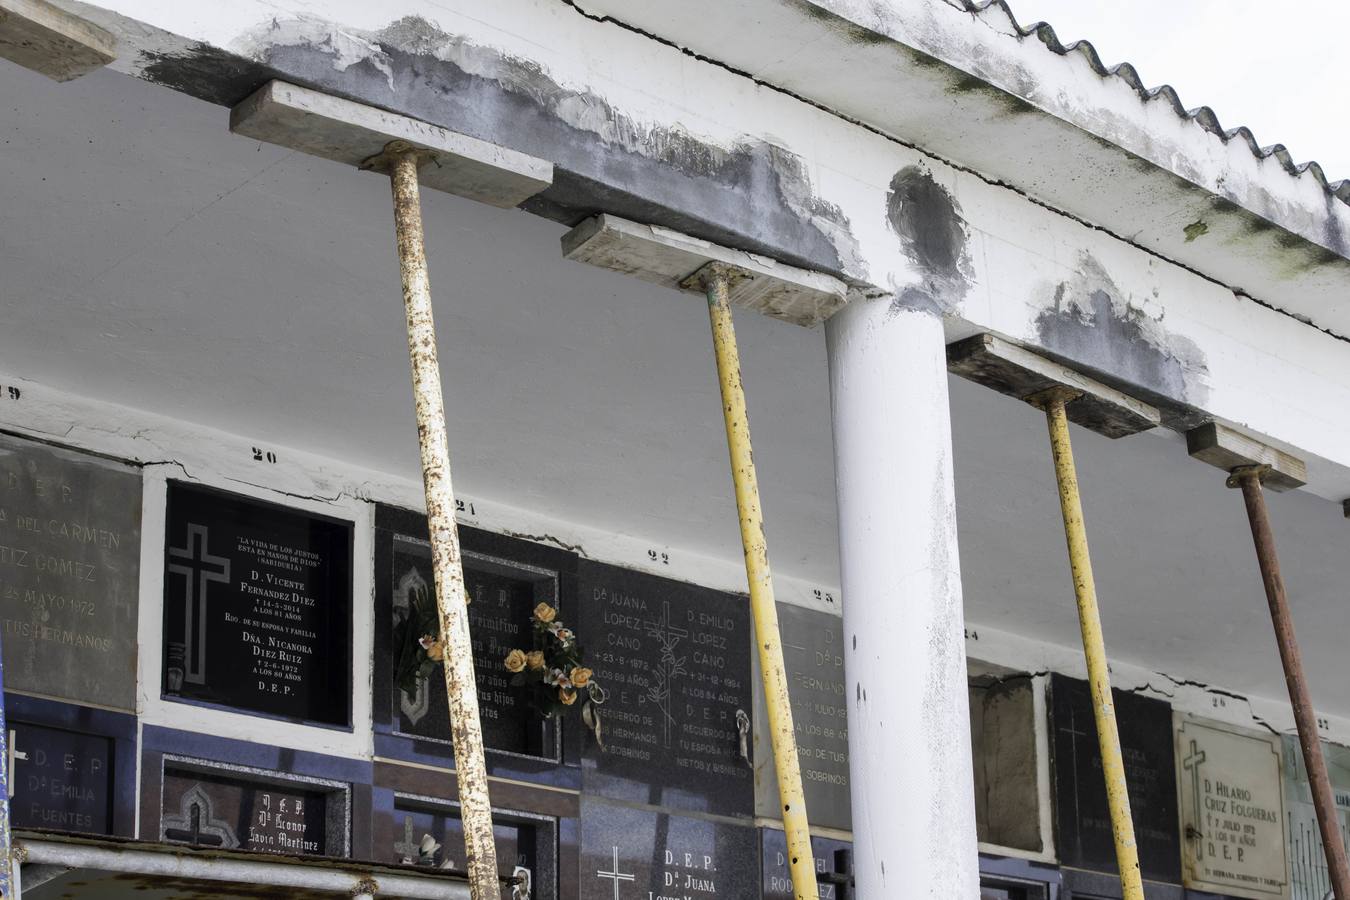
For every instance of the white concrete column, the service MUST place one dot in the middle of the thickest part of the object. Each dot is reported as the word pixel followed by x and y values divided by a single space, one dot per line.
pixel 904 631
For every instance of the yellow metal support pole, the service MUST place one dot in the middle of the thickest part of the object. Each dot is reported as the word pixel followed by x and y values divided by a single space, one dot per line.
pixel 466 729
pixel 1094 647
pixel 801 862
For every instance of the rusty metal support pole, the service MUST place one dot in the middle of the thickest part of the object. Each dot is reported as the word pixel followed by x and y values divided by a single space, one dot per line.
pixel 782 735
pixel 460 685
pixel 1248 478
pixel 1094 645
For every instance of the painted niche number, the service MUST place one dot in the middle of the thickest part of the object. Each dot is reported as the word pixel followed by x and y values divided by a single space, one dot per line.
pixel 823 595
pixel 1323 724
pixel 10 393
pixel 260 455
pixel 662 558
pixel 462 507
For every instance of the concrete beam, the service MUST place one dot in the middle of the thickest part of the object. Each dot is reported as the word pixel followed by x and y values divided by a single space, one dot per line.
pixel 39 36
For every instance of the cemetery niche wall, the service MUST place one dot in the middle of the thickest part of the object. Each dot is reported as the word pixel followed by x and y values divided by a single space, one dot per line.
pixel 70 550
pixel 257 607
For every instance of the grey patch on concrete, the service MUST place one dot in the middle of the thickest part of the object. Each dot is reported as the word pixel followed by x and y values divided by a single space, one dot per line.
pixel 749 196
pixel 1091 325
pixel 927 219
pixel 207 73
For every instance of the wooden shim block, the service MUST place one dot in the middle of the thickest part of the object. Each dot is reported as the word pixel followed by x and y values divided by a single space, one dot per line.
pixel 1018 372
pixel 1228 449
pixel 353 133
pixel 669 258
pixel 39 36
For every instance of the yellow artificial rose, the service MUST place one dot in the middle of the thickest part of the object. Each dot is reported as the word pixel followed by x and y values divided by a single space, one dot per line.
pixel 545 613
pixel 535 659
pixel 436 652
pixel 515 661
pixel 567 697
pixel 581 676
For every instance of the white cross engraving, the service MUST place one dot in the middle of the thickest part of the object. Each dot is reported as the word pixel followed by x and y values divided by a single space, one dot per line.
pixel 13 755
pixel 616 876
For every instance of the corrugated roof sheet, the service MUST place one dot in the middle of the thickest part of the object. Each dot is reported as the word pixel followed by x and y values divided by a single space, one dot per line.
pixel 1205 117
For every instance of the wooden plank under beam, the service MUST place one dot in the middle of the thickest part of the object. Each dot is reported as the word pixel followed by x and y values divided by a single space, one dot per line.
pixel 39 36
pixel 1227 449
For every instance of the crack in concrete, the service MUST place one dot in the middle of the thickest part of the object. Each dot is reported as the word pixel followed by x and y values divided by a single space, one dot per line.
pixel 550 539
pixel 993 182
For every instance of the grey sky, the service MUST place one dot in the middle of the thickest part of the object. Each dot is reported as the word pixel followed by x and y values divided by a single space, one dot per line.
pixel 1277 67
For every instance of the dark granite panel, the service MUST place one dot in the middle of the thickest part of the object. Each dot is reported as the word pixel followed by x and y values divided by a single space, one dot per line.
pixel 1083 821
pixel 675 658
pixel 628 852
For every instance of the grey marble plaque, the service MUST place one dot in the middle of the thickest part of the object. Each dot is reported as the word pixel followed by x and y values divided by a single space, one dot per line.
pixel 1232 810
pixel 813 652
pixel 1308 876
pixel 830 883
pixel 70 550
pixel 642 854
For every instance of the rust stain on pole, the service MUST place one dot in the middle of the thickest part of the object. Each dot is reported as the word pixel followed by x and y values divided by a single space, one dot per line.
pixel 467 731
pixel 1248 478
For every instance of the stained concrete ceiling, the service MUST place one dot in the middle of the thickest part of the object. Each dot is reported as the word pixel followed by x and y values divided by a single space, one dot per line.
pixel 152 259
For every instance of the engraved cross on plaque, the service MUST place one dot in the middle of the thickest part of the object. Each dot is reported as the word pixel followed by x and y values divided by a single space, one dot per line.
pixel 14 754
pixel 1074 734
pixel 198 568
pixel 1192 763
pixel 671 667
pixel 615 875
pixel 192 834
pixel 407 848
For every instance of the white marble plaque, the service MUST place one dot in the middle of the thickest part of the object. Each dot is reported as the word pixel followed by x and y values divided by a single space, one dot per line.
pixel 1307 857
pixel 1232 810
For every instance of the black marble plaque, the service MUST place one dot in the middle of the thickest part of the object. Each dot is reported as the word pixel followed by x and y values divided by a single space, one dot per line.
pixel 62 780
pixel 641 854
pixel 236 811
pixel 70 549
pixel 505 579
pixel 813 652
pixel 675 659
pixel 257 606
pixel 1083 821
pixel 831 873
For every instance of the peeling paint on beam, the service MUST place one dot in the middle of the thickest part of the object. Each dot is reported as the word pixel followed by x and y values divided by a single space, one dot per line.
pixel 750 195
